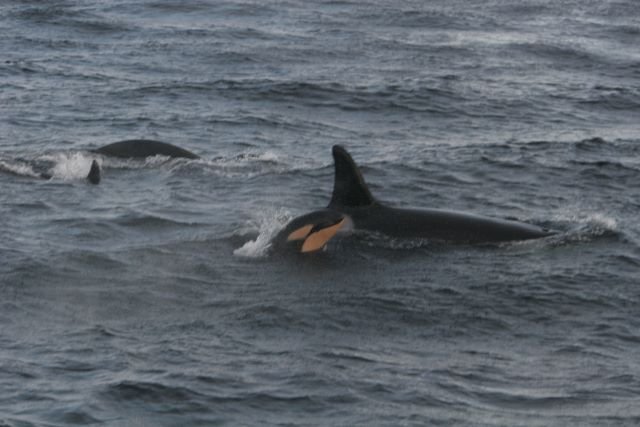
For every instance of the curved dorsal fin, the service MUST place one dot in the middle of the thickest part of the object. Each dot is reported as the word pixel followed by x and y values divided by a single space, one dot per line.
pixel 349 188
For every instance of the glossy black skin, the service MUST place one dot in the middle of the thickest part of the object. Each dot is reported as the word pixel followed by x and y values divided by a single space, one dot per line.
pixel 94 173
pixel 137 148
pixel 320 219
pixel 352 198
pixel 440 225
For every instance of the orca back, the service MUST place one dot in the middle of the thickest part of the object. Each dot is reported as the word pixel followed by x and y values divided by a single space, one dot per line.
pixel 144 148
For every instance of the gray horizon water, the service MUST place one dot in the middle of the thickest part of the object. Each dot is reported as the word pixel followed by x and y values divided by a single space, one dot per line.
pixel 152 298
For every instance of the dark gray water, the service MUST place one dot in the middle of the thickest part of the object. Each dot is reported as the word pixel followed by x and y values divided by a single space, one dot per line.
pixel 151 299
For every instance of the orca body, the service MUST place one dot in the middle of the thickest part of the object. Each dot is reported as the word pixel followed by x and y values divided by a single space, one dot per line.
pixel 138 148
pixel 353 207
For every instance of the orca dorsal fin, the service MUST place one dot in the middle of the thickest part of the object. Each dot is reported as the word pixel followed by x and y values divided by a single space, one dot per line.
pixel 349 188
pixel 94 173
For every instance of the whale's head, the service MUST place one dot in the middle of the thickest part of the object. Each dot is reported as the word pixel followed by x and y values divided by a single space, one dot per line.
pixel 311 232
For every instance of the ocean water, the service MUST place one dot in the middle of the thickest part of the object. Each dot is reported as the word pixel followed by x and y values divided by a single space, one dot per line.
pixel 152 299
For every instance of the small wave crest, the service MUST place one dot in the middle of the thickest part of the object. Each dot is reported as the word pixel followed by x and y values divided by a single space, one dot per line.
pixel 138 163
pixel 246 164
pixel 587 226
pixel 596 221
pixel 252 163
pixel 602 222
pixel 268 223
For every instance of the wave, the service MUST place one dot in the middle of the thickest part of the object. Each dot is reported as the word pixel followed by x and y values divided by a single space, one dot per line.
pixel 416 98
pixel 616 166
pixel 150 162
pixel 150 222
pixel 584 227
pixel 612 99
pixel 176 400
pixel 18 168
pixel 571 54
pixel 19 67
pixel 249 163
pixel 71 17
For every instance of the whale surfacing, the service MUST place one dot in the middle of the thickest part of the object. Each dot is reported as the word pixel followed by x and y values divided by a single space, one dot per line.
pixel 138 148
pixel 353 206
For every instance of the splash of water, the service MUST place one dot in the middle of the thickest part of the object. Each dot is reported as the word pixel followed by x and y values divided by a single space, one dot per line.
pixel 592 220
pixel 602 221
pixel 585 226
pixel 70 166
pixel 20 169
pixel 269 223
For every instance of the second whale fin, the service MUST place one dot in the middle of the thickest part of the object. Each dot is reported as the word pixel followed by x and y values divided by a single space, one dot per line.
pixel 349 188
pixel 94 175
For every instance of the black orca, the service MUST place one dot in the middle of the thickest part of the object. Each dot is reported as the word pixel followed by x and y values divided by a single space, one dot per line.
pixel 353 207
pixel 144 148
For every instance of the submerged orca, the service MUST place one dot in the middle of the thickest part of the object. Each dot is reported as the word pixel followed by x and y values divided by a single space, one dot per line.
pixel 353 207
pixel 144 148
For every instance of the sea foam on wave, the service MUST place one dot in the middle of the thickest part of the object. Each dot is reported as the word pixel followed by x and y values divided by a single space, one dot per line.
pixel 20 169
pixel 269 223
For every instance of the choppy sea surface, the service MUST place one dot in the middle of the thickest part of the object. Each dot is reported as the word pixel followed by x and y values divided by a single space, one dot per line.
pixel 152 299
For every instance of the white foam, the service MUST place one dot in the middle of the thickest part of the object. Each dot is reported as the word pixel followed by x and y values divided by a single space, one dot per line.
pixel 157 160
pixel 267 156
pixel 269 223
pixel 251 163
pixel 585 226
pixel 70 166
pixel 149 162
pixel 602 221
pixel 249 157
pixel 18 169
pixel 591 219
